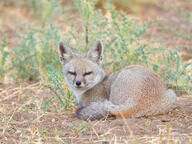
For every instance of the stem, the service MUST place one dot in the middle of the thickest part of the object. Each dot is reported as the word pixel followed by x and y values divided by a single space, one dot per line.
pixel 86 35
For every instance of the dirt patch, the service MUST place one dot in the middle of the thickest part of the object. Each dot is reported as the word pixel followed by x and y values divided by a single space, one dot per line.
pixel 173 28
pixel 27 122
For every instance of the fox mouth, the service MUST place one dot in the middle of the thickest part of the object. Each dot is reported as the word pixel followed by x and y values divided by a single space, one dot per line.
pixel 78 87
pixel 81 87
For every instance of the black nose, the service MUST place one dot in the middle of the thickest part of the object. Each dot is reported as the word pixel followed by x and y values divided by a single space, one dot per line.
pixel 78 83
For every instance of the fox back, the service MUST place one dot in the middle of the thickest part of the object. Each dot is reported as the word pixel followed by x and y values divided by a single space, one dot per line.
pixel 130 92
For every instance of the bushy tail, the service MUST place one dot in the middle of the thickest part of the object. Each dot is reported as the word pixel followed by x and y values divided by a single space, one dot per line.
pixel 170 98
pixel 123 110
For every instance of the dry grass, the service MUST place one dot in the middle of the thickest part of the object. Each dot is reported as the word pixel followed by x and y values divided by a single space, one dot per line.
pixel 24 121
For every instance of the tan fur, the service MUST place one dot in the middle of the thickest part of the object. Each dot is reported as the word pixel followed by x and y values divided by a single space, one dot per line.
pixel 133 91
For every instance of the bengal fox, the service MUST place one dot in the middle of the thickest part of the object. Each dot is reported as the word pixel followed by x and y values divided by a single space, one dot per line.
pixel 133 91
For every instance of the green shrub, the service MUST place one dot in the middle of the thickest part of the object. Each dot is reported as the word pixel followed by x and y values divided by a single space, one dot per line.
pixel 36 50
pixel 56 80
pixel 177 74
pixel 23 62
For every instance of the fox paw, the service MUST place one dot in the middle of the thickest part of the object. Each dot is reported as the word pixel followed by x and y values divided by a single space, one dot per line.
pixel 85 113
pixel 88 113
pixel 78 112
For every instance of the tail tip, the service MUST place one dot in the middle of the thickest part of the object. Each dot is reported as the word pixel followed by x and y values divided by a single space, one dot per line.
pixel 171 95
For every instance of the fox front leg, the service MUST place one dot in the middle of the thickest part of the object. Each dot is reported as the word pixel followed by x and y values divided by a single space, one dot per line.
pixel 94 111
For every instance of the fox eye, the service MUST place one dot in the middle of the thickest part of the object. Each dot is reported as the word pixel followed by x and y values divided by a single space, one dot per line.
pixel 72 73
pixel 87 73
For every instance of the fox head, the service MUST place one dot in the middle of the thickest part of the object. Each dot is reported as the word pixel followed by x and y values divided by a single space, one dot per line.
pixel 82 71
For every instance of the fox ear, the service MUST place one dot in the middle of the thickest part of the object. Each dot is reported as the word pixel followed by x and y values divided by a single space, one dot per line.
pixel 65 53
pixel 96 52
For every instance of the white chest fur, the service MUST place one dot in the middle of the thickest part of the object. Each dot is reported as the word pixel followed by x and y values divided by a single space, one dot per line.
pixel 78 94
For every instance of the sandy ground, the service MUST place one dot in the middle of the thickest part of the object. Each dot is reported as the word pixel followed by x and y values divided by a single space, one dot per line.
pixel 22 119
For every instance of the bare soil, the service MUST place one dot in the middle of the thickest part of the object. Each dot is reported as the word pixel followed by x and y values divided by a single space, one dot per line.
pixel 22 119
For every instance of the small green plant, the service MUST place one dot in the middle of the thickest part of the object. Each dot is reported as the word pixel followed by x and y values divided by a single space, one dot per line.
pixel 177 74
pixel 46 51
pixel 3 58
pixel 23 64
pixel 80 128
pixel 124 44
pixel 45 103
pixel 36 50
pixel 56 80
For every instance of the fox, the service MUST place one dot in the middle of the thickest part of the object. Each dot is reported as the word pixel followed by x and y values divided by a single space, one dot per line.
pixel 133 91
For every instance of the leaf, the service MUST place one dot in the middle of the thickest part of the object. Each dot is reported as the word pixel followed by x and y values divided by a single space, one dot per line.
pixel 45 103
